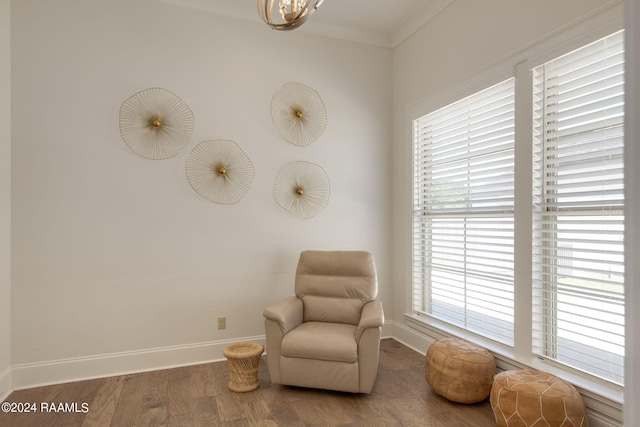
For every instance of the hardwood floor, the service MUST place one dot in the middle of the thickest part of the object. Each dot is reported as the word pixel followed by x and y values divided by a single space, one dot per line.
pixel 198 396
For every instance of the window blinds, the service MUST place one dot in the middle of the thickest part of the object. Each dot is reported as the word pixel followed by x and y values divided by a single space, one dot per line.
pixel 578 209
pixel 463 213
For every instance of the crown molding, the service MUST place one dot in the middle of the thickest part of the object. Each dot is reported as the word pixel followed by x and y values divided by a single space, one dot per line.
pixel 326 27
pixel 417 19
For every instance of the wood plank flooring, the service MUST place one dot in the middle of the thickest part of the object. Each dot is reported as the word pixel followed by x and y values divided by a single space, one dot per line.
pixel 198 396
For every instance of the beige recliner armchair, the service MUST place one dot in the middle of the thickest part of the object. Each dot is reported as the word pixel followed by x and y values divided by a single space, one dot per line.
pixel 328 335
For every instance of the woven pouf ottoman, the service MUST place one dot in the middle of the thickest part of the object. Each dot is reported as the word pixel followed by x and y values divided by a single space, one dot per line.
pixel 244 361
pixel 459 370
pixel 533 398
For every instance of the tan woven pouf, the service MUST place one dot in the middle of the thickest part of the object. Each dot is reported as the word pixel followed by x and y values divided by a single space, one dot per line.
pixel 244 360
pixel 459 370
pixel 533 398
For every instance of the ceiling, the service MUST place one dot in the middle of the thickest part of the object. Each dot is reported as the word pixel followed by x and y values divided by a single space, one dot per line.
pixel 384 23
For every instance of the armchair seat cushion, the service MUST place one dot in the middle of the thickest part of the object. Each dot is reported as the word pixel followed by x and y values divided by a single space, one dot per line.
pixel 323 341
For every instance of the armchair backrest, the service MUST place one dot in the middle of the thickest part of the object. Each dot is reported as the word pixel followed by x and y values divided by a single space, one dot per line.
pixel 335 285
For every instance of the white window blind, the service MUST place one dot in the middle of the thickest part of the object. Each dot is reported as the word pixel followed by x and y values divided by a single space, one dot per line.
pixel 578 209
pixel 463 213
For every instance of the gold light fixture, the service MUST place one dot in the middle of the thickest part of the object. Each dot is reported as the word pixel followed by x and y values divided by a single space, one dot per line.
pixel 293 13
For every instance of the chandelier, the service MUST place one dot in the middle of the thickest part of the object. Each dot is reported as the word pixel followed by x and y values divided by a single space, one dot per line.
pixel 293 13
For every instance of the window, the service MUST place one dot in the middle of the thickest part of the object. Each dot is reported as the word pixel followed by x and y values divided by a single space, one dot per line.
pixel 578 217
pixel 463 213
pixel 465 177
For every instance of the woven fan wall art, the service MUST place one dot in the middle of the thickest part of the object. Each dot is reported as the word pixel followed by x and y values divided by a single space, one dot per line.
pixel 220 171
pixel 302 188
pixel 298 113
pixel 155 123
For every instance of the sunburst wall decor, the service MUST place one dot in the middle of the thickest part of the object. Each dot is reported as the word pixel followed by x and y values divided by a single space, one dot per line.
pixel 302 188
pixel 155 123
pixel 298 113
pixel 220 171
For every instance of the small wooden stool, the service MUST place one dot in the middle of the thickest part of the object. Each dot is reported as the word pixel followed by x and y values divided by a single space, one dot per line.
pixel 534 398
pixel 459 370
pixel 244 360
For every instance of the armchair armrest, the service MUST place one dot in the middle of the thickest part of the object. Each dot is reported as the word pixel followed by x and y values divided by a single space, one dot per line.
pixel 287 312
pixel 372 317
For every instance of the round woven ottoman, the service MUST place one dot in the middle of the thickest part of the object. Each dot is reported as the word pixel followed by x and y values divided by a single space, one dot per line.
pixel 533 398
pixel 459 370
pixel 244 360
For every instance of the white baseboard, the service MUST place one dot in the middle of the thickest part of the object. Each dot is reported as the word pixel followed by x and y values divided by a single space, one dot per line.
pixel 6 383
pixel 30 375
pixel 409 337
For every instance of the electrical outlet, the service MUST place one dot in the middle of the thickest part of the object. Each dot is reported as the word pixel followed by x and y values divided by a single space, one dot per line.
pixel 222 322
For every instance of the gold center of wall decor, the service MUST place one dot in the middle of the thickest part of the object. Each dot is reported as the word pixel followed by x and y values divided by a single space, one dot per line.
pixel 219 171
pixel 146 113
pixel 302 189
pixel 298 113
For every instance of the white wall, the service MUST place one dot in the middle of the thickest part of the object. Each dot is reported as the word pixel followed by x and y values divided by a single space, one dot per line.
pixel 5 199
pixel 114 253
